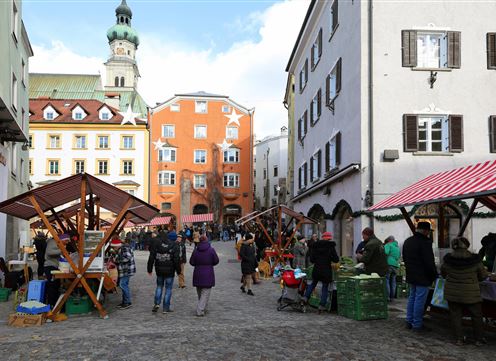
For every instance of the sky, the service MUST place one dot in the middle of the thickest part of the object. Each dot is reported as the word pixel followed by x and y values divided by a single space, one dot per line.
pixel 238 48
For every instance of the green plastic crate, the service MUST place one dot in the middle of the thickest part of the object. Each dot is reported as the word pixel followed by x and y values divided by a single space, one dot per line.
pixel 402 290
pixel 4 294
pixel 78 305
pixel 376 312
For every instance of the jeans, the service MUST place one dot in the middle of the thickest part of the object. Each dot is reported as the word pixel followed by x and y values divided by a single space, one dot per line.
pixel 416 304
pixel 323 295
pixel 168 282
pixel 126 293
pixel 391 282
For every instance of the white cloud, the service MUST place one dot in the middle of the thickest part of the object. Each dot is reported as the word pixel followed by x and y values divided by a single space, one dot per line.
pixel 250 72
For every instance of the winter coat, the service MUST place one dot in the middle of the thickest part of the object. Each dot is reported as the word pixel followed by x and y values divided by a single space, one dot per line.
pixel 488 250
pixel 165 258
pixel 419 260
pixel 52 254
pixel 40 242
pixel 463 272
pixel 374 258
pixel 248 259
pixel 125 261
pixel 300 255
pixel 182 252
pixel 392 251
pixel 322 253
pixel 204 258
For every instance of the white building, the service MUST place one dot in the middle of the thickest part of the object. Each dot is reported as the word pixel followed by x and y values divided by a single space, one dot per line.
pixel 15 51
pixel 73 136
pixel 383 94
pixel 271 167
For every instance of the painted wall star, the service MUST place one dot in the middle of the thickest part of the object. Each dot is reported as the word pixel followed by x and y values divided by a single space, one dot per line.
pixel 129 116
pixel 234 118
pixel 158 144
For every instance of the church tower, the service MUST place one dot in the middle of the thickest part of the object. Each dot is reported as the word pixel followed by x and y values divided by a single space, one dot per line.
pixel 121 68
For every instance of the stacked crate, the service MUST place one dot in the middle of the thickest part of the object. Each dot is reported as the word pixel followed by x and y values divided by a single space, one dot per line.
pixel 362 298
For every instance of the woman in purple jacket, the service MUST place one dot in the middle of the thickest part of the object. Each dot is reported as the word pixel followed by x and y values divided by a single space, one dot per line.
pixel 204 258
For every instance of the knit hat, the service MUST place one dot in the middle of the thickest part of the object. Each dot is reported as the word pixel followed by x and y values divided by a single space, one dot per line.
pixel 64 237
pixel 172 236
pixel 116 242
pixel 203 238
pixel 460 243
pixel 426 226
pixel 327 236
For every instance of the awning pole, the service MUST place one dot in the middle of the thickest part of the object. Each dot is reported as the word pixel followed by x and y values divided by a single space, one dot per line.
pixel 468 217
pixel 81 223
pixel 407 219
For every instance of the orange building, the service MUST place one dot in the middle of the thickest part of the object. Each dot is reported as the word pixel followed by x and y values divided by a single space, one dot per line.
pixel 201 157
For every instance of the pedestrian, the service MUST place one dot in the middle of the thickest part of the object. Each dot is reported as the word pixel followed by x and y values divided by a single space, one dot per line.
pixel 126 266
pixel 373 257
pixel 147 239
pixel 313 238
pixel 300 253
pixel 165 258
pixel 52 255
pixel 40 242
pixel 248 263
pixel 196 237
pixel 203 259
pixel 421 272
pixel 134 239
pixel 463 271
pixel 488 251
pixel 181 243
pixel 322 254
pixel 392 251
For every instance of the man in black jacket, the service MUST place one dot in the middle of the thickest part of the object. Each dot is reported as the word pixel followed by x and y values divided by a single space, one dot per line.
pixel 165 257
pixel 421 272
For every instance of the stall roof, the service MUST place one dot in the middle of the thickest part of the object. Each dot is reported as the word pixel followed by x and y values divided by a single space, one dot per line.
pixel 68 190
pixel 475 181
pixel 285 210
pixel 195 218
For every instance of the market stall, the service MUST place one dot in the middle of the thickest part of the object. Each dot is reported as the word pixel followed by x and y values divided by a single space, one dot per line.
pixel 95 194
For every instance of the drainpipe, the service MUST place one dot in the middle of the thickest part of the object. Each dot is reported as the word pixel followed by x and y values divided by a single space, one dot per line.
pixel 371 109
pixel 148 125
pixel 251 112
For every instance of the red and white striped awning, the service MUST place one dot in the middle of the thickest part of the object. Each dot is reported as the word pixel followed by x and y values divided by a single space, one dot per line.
pixel 158 221
pixel 194 218
pixel 475 181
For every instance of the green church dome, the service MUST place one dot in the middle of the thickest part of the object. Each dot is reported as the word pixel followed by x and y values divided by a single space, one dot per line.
pixel 123 32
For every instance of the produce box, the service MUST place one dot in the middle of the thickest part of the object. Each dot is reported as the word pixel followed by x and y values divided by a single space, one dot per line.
pixel 78 305
pixel 36 290
pixel 4 294
pixel 24 320
pixel 372 311
pixel 314 300
pixel 402 290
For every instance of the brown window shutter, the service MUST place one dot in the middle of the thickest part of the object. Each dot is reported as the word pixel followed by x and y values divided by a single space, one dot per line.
pixel 454 56
pixel 338 76
pixel 410 132
pixel 328 90
pixel 319 103
pixel 491 50
pixel 335 14
pixel 456 133
pixel 409 48
pixel 327 157
pixel 492 133
pixel 338 149
pixel 319 41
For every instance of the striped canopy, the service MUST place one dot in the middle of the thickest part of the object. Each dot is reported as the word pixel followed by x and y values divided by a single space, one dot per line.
pixel 475 181
pixel 158 221
pixel 194 218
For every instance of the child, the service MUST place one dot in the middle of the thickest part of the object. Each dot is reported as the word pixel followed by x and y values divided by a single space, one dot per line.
pixel 124 258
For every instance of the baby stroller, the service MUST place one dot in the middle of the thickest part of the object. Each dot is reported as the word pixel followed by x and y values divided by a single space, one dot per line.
pixel 292 292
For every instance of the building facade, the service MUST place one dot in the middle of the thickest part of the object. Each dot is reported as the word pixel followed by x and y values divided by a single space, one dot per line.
pixel 201 157
pixel 14 121
pixel 381 100
pixel 271 169
pixel 87 136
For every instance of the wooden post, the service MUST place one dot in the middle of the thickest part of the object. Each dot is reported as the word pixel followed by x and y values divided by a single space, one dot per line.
pixel 97 214
pixel 58 220
pixel 264 230
pixel 441 234
pixel 81 223
pixel 407 219
pixel 468 217
pixel 279 223
pixel 69 223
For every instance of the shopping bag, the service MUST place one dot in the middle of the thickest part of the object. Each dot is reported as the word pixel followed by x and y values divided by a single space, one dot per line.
pixel 438 299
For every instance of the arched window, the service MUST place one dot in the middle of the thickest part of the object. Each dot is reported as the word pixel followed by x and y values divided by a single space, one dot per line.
pixel 116 81
pixel 122 81
pixel 122 19
pixel 127 21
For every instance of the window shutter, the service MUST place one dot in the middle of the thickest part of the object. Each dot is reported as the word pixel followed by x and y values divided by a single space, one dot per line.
pixel 456 133
pixel 454 57
pixel 338 149
pixel 305 122
pixel 492 133
pixel 319 163
pixel 410 132
pixel 319 41
pixel 311 112
pixel 305 174
pixel 409 48
pixel 319 103
pixel 306 71
pixel 335 14
pixel 328 90
pixel 312 57
pixel 491 50
pixel 311 169
pixel 299 129
pixel 299 178
pixel 338 76
pixel 327 157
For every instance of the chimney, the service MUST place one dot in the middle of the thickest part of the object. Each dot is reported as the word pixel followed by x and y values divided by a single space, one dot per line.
pixel 113 99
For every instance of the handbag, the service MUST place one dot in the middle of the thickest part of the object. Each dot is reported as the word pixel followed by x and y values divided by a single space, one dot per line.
pixel 438 299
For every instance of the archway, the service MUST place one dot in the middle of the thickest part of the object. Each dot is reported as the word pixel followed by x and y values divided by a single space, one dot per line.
pixel 343 229
pixel 200 209
pixel 318 213
pixel 231 213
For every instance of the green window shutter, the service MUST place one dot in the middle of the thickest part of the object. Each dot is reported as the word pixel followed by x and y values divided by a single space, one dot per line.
pixel 454 43
pixel 410 133
pixel 409 48
pixel 456 133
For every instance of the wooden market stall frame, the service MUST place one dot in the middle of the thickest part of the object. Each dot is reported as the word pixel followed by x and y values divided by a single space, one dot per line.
pixel 94 194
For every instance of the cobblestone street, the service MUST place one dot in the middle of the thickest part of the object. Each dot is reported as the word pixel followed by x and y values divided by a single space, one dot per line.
pixel 237 327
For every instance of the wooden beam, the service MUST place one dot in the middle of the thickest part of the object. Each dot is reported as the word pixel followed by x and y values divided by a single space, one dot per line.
pixel 407 219
pixel 81 223
pixel 69 223
pixel 58 220
pixel 67 293
pixel 98 214
pixel 279 224
pixel 264 230
pixel 468 217
pixel 97 304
